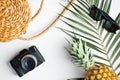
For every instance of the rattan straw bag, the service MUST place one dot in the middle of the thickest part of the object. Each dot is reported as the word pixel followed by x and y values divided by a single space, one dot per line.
pixel 15 15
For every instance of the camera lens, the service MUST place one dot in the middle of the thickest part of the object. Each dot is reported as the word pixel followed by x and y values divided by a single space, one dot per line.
pixel 28 62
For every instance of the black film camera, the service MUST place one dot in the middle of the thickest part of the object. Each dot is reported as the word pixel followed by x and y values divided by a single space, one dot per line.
pixel 27 60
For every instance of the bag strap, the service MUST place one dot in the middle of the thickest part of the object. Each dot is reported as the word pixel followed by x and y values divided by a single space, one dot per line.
pixel 76 79
pixel 38 11
pixel 49 26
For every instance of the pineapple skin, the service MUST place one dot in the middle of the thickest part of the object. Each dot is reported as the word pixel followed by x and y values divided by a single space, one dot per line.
pixel 101 72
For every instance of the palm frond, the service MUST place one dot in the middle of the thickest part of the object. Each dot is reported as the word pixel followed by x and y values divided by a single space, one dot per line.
pixel 107 44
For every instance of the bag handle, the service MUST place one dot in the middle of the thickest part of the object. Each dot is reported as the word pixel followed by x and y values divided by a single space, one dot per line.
pixel 38 11
pixel 49 26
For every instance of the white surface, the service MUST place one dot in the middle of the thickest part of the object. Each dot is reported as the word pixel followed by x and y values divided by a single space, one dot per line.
pixel 58 65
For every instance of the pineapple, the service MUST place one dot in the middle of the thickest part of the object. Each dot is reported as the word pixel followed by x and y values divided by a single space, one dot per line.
pixel 101 72
pixel 82 56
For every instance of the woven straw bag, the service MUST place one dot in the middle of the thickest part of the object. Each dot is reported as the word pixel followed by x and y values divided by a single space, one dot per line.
pixel 15 15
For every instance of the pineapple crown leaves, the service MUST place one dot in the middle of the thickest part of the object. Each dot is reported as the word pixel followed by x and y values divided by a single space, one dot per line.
pixel 81 54
pixel 106 45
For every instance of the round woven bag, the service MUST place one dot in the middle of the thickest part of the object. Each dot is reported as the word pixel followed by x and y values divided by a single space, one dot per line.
pixel 15 16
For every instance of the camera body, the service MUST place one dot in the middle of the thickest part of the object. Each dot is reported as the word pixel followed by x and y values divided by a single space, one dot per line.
pixel 27 60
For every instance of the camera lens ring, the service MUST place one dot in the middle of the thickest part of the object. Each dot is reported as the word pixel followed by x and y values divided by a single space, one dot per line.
pixel 28 62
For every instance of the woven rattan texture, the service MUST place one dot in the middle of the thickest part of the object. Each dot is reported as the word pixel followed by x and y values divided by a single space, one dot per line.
pixel 15 16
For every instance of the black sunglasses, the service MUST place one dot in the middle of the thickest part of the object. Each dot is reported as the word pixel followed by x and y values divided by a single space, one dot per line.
pixel 97 14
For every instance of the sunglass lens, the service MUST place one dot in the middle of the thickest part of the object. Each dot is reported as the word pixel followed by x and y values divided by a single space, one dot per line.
pixel 110 27
pixel 95 13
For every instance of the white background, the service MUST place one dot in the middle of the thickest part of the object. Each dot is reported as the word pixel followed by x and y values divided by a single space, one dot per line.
pixel 57 65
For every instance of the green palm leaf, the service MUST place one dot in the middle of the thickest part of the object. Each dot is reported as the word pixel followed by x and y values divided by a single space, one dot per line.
pixel 105 43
